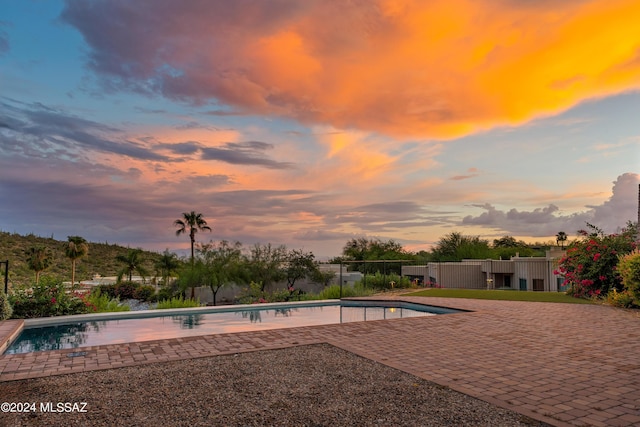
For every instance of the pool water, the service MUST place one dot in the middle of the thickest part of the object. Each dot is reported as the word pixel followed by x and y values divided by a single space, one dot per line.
pixel 91 333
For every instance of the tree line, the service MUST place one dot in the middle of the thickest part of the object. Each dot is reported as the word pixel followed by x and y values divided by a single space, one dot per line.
pixel 454 246
pixel 218 264
pixel 40 258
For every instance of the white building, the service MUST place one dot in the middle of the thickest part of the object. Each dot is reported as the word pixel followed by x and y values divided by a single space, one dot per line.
pixel 521 273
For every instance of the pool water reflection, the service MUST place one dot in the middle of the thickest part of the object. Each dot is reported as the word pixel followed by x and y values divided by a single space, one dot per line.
pixel 91 333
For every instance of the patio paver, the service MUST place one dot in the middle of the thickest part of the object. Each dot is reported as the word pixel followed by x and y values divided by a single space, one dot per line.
pixel 565 364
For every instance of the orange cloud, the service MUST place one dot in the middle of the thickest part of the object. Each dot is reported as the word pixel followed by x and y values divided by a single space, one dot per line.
pixel 580 56
pixel 436 69
pixel 349 164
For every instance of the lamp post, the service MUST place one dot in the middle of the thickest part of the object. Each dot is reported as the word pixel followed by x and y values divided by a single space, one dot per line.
pixel 6 276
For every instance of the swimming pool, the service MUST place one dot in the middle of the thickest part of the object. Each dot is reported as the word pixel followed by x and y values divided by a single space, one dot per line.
pixel 113 328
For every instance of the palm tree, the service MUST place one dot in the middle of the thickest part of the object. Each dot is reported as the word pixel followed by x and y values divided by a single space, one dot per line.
pixel 38 260
pixel 77 248
pixel 193 222
pixel 133 262
pixel 167 264
pixel 561 237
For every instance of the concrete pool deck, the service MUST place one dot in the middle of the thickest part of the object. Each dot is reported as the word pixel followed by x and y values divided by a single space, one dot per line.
pixel 565 364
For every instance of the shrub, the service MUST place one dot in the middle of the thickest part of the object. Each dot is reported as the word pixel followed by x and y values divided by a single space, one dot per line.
pixel 129 290
pixel 48 298
pixel 5 308
pixel 431 284
pixel 178 302
pixel 126 290
pixel 590 265
pixel 109 290
pixel 165 293
pixel 281 295
pixel 102 303
pixel 253 294
pixel 333 292
pixel 629 269
pixel 385 281
pixel 145 293
pixel 620 299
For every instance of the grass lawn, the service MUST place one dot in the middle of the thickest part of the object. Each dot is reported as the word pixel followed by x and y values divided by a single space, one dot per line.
pixel 500 295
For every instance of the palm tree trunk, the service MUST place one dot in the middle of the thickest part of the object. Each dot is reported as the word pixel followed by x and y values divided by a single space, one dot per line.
pixel 193 240
pixel 73 272
pixel 192 236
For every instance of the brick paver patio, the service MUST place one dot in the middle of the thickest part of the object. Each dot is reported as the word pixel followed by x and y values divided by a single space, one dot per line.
pixel 566 364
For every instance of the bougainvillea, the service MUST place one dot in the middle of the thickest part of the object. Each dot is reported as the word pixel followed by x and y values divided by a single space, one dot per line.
pixel 48 298
pixel 590 264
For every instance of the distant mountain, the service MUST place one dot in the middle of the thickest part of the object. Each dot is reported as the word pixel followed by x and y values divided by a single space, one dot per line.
pixel 101 259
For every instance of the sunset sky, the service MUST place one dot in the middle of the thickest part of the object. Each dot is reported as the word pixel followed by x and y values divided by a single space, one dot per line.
pixel 308 123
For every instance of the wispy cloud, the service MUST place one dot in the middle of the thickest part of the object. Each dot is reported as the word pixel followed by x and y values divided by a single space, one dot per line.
pixel 613 146
pixel 472 173
pixel 49 130
pixel 244 153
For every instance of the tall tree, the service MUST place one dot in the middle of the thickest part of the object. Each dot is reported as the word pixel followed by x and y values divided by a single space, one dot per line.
pixel 506 242
pixel 561 237
pixel 132 262
pixel 300 265
pixel 362 249
pixel 38 260
pixel 456 247
pixel 266 264
pixel 507 247
pixel 193 222
pixel 77 248
pixel 222 265
pixel 168 263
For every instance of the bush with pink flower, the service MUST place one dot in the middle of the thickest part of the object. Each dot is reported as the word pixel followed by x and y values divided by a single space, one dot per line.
pixel 47 298
pixel 590 266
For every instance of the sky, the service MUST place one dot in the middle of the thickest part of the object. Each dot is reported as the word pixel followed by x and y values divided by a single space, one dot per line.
pixel 310 123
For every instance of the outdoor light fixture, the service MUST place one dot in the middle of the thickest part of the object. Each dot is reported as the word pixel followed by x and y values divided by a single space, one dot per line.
pixel 489 283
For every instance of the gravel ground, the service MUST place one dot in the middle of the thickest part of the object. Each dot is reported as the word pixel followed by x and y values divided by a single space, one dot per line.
pixel 137 305
pixel 317 385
